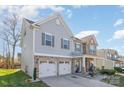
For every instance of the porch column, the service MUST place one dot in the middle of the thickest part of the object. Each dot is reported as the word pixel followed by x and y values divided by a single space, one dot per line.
pixel 83 65
pixel 113 63
pixel 94 62
pixel 103 63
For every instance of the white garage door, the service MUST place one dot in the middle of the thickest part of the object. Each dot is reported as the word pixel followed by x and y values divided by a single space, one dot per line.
pixel 47 69
pixel 64 68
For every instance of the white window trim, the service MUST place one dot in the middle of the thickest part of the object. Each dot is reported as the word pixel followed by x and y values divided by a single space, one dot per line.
pixel 67 43
pixel 77 44
pixel 50 38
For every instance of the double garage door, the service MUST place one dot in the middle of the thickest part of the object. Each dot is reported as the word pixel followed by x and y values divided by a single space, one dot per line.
pixel 47 69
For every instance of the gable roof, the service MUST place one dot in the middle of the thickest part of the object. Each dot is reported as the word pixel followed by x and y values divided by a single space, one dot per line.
pixel 29 21
pixel 51 17
pixel 88 38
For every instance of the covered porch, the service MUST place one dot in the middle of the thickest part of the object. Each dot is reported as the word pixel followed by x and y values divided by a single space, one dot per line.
pixel 81 64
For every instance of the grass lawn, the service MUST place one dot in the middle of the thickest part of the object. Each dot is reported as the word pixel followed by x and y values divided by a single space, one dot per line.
pixel 121 80
pixel 17 78
pixel 121 84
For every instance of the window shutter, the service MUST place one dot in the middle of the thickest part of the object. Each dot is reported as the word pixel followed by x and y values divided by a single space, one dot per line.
pixel 61 43
pixel 68 44
pixel 43 38
pixel 52 41
pixel 75 46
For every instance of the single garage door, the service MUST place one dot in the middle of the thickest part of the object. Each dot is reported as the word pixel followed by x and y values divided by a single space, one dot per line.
pixel 64 68
pixel 47 69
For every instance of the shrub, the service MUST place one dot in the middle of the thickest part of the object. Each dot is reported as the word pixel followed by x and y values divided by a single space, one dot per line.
pixel 118 69
pixel 108 71
pixel 34 75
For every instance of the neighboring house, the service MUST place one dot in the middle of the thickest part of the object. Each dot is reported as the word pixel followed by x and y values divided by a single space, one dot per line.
pixel 110 58
pixel 49 46
pixel 120 62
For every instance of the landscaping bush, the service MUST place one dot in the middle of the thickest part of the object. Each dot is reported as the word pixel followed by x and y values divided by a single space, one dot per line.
pixel 118 69
pixel 35 75
pixel 108 71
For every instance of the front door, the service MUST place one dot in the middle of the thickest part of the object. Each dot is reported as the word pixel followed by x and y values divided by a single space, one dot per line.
pixel 77 67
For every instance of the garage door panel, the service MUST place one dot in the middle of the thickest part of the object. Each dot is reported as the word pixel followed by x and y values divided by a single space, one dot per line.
pixel 64 68
pixel 47 69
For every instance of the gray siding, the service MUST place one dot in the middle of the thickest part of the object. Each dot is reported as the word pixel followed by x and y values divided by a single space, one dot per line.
pixel 59 32
pixel 27 50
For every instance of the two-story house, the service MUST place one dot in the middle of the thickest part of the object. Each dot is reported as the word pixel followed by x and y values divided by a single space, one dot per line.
pixel 110 58
pixel 49 46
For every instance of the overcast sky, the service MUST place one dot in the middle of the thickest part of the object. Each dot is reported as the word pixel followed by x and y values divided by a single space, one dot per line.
pixel 106 22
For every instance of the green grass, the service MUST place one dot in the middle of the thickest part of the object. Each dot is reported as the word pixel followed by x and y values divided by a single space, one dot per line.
pixel 17 78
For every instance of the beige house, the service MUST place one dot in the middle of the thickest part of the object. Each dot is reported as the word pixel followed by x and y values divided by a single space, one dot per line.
pixel 120 61
pixel 49 46
pixel 107 58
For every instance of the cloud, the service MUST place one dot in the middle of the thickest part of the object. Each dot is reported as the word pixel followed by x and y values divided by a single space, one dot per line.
pixel 69 13
pixel 109 40
pixel 86 33
pixel 122 46
pixel 117 35
pixel 57 8
pixel 119 22
pixel 29 11
pixel 76 6
pixel 79 6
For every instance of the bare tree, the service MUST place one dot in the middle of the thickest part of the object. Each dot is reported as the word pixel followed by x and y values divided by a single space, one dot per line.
pixel 11 35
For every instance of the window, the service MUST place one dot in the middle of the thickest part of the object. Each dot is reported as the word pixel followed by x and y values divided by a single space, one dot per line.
pixel 66 62
pixel 25 33
pixel 108 55
pixel 47 39
pixel 61 62
pixel 92 49
pixel 77 47
pixel 51 62
pixel 42 62
pixel 65 43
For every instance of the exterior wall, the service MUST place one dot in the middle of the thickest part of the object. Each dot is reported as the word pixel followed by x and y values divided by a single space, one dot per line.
pixel 108 64
pixel 38 59
pixel 27 50
pixel 99 63
pixel 59 32
pixel 101 53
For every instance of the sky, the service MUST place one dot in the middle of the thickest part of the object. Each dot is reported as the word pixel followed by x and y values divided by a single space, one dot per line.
pixel 105 22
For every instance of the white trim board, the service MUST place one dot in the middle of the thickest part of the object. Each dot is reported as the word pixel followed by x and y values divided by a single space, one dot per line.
pixel 41 54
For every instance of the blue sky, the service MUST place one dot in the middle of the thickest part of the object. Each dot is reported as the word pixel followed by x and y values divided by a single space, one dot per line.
pixel 106 22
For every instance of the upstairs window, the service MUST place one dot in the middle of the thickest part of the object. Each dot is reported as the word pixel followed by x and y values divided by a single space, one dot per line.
pixel 77 47
pixel 47 39
pixel 65 44
pixel 92 49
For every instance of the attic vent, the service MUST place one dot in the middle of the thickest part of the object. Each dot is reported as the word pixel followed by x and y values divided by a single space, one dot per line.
pixel 57 22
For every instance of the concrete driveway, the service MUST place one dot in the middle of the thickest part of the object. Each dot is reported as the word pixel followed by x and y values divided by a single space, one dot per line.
pixel 73 81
